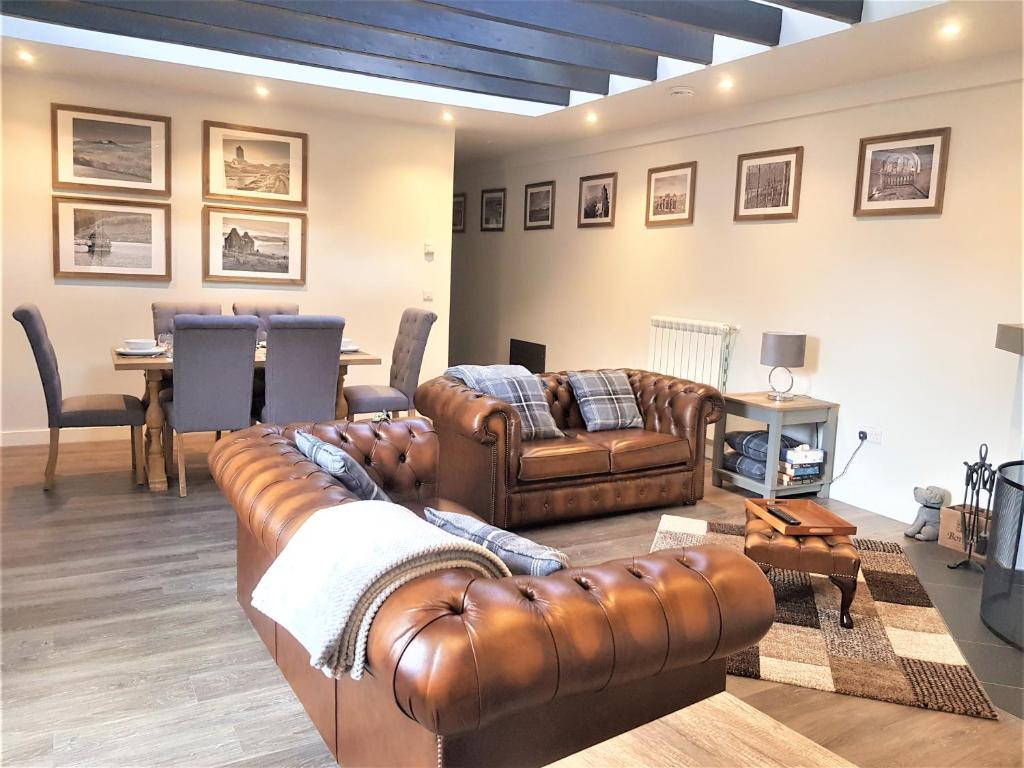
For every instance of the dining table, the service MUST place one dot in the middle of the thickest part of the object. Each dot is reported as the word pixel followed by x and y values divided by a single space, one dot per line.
pixel 154 368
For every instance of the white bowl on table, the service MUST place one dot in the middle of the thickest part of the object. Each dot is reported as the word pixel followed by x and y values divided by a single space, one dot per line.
pixel 347 345
pixel 137 345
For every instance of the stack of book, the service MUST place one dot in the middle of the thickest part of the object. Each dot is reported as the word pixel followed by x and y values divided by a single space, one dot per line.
pixel 802 466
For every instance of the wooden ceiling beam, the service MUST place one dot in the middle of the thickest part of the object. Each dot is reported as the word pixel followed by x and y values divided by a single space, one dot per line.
pixel 742 19
pixel 849 11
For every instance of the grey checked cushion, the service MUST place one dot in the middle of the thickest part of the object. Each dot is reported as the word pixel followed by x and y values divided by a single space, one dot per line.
pixel 341 465
pixel 473 375
pixel 744 465
pixel 606 400
pixel 755 444
pixel 521 555
pixel 526 395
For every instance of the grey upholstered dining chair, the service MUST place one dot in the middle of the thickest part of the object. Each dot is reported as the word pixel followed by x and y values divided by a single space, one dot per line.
pixel 406 360
pixel 165 311
pixel 80 411
pixel 302 368
pixel 213 363
pixel 263 312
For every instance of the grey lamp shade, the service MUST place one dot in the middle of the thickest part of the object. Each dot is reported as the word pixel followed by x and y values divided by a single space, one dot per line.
pixel 785 349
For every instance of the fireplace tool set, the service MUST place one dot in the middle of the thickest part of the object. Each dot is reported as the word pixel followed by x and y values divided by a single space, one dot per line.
pixel 979 480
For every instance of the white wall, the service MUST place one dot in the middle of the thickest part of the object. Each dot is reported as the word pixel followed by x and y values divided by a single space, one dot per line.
pixel 378 191
pixel 901 311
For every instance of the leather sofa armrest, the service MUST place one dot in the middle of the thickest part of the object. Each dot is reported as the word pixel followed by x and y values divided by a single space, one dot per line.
pixel 451 405
pixel 462 651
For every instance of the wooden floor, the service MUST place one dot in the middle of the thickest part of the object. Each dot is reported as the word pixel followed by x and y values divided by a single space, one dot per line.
pixel 123 644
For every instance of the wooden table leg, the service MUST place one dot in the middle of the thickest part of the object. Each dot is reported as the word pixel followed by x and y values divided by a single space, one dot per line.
pixel 154 434
pixel 340 404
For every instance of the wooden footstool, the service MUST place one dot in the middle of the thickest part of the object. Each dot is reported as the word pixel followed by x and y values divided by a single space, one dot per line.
pixel 832 556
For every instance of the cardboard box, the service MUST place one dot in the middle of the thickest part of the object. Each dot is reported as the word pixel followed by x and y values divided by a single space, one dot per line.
pixel 950 533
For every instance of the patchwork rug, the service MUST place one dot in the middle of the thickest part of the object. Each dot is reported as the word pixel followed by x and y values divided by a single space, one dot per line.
pixel 899 649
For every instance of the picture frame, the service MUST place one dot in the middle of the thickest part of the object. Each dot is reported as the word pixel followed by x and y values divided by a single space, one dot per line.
pixel 670 194
pixel 768 185
pixel 246 164
pixel 539 206
pixel 492 210
pixel 596 207
pixel 101 239
pixel 902 174
pixel 459 212
pixel 110 151
pixel 254 245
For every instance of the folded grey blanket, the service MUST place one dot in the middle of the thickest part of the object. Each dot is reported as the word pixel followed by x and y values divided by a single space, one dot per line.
pixel 343 563
pixel 472 375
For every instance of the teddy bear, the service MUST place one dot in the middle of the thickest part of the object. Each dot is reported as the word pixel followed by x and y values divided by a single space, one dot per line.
pixel 926 525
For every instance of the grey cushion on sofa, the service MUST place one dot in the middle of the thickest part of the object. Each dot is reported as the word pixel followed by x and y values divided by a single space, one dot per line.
pixel 521 555
pixel 606 400
pixel 526 395
pixel 337 462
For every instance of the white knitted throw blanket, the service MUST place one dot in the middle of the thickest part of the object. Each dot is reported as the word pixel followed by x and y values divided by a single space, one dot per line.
pixel 343 563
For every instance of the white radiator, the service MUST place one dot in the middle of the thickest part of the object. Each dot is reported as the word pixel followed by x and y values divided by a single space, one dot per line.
pixel 697 350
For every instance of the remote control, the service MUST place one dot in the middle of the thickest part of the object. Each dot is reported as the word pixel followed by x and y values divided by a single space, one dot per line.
pixel 783 515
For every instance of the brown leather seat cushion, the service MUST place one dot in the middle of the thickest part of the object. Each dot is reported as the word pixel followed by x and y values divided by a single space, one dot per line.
pixel 827 555
pixel 562 457
pixel 632 449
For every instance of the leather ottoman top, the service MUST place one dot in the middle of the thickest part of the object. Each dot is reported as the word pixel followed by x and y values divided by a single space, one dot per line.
pixel 827 555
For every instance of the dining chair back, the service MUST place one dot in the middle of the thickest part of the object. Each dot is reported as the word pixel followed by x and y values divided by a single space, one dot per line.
pixel 302 368
pixel 46 359
pixel 213 367
pixel 165 311
pixel 410 344
pixel 263 312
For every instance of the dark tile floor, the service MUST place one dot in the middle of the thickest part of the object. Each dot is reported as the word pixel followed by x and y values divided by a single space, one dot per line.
pixel 957 596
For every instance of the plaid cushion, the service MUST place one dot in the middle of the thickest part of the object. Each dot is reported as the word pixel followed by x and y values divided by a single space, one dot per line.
pixel 606 400
pixel 526 395
pixel 755 444
pixel 473 375
pixel 341 465
pixel 521 555
pixel 744 465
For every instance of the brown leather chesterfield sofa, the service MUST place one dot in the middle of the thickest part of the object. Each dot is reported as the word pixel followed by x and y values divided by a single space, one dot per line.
pixel 468 671
pixel 486 466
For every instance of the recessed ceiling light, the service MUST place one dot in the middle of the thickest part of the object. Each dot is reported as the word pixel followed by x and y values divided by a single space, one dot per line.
pixel 447 116
pixel 262 91
pixel 950 29
pixel 591 117
pixel 25 56
pixel 726 83
pixel 682 90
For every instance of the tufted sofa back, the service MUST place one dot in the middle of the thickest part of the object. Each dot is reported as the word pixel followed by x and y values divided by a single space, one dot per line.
pixel 564 408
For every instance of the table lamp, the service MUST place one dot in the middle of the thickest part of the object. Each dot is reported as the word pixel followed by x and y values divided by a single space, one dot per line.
pixel 785 351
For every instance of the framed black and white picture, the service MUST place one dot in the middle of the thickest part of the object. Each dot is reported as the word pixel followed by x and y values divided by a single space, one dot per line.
pixel 768 185
pixel 670 191
pixel 246 245
pixel 254 165
pixel 902 173
pixel 492 210
pixel 597 200
pixel 459 212
pixel 539 206
pixel 102 150
pixel 111 239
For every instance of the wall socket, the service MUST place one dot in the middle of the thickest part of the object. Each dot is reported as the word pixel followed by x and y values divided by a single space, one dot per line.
pixel 873 434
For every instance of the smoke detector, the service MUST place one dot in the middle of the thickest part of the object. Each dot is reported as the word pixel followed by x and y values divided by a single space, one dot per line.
pixel 682 90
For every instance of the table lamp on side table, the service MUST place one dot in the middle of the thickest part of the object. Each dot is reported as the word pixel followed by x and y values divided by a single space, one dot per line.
pixel 785 351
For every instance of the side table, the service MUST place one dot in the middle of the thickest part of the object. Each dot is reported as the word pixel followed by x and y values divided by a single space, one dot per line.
pixel 776 415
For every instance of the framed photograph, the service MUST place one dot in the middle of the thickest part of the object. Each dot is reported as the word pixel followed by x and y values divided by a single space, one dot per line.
pixel 670 191
pixel 101 150
pixel 249 165
pixel 246 245
pixel 903 173
pixel 492 210
pixel 459 212
pixel 597 200
pixel 539 206
pixel 111 239
pixel 768 185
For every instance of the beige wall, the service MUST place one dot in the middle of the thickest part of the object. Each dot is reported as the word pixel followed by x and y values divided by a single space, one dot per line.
pixel 378 191
pixel 902 311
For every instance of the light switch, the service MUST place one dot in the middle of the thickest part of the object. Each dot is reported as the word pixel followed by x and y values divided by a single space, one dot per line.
pixel 428 252
pixel 428 296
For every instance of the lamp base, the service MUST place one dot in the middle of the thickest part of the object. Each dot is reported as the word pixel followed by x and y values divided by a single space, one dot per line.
pixel 776 393
pixel 780 396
